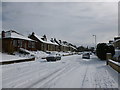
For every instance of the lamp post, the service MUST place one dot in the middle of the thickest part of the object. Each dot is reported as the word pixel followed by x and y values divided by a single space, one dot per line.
pixel 95 41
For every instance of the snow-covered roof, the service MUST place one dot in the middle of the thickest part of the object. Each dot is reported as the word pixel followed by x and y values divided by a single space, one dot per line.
pixel 73 47
pixel 64 45
pixel 116 40
pixel 12 34
pixel 67 45
pixel 48 41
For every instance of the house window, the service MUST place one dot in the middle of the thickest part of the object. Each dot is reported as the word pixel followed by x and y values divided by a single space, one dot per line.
pixel 19 43
pixel 33 44
pixel 15 43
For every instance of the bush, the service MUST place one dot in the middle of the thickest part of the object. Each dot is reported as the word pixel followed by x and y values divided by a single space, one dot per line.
pixel 102 49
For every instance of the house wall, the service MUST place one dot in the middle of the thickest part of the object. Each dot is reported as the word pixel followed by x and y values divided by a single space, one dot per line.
pixel 117 44
pixel 53 48
pixel 56 48
pixel 39 44
pixel 59 48
pixel 50 47
pixel 44 46
pixel 7 46
pixel 65 48
pixel 10 45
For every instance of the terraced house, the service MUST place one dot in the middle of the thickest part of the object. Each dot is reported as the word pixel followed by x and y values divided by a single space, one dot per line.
pixel 43 43
pixel 12 41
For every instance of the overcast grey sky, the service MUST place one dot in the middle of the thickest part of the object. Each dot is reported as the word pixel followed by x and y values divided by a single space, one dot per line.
pixel 74 22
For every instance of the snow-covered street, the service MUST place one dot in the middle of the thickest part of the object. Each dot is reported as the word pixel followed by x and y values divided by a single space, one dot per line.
pixel 70 72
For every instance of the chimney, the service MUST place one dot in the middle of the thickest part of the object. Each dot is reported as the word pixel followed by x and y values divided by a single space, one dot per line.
pixel 52 40
pixel 45 38
pixel 60 41
pixel 33 33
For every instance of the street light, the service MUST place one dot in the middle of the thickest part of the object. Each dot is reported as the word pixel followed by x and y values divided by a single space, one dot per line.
pixel 95 41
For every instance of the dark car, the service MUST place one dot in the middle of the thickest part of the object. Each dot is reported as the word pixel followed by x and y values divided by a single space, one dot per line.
pixel 53 57
pixel 86 55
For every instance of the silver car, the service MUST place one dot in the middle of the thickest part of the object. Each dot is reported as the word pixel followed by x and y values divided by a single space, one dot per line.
pixel 86 55
pixel 53 57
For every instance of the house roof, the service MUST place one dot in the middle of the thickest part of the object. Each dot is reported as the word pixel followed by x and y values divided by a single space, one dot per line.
pixel 73 47
pixel 14 34
pixel 63 44
pixel 66 44
pixel 48 41
pixel 116 40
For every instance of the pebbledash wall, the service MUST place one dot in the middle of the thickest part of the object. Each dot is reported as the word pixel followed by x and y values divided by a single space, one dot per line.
pixel 12 41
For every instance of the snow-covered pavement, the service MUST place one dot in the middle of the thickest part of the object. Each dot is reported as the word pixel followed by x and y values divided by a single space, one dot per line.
pixel 70 72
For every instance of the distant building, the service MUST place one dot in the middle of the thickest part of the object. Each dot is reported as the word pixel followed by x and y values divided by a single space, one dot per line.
pixel 117 42
pixel 65 46
pixel 13 41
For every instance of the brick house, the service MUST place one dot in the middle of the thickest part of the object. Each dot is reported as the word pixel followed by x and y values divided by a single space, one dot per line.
pixel 13 41
pixel 43 43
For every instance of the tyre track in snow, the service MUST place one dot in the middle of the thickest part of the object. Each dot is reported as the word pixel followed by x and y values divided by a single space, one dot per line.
pixel 44 78
pixel 20 70
pixel 84 76
pixel 26 73
pixel 35 80
pixel 54 78
pixel 100 77
pixel 93 75
pixel 55 74
pixel 17 80
pixel 44 82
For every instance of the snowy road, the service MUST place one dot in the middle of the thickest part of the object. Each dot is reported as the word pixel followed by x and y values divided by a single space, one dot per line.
pixel 70 72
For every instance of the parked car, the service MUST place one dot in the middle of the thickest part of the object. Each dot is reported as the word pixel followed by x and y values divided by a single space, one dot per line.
pixel 79 53
pixel 86 55
pixel 53 57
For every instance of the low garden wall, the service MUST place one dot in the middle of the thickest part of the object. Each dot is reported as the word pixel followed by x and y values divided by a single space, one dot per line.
pixel 17 61
pixel 114 65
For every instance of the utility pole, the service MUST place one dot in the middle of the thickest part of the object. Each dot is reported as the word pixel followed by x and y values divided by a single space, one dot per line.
pixel 95 41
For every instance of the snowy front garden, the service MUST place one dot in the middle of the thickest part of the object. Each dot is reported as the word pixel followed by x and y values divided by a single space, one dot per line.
pixel 28 54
